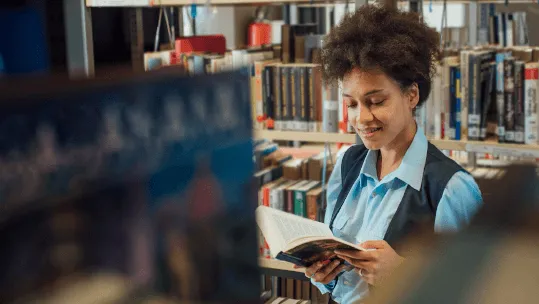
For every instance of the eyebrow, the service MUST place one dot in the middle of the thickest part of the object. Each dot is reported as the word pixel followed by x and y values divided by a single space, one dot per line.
pixel 366 94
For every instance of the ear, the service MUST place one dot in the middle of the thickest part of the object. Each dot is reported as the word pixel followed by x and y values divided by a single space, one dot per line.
pixel 413 95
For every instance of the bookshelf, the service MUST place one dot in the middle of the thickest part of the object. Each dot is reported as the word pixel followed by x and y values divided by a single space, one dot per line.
pixel 278 268
pixel 151 3
pixel 306 136
pixel 490 147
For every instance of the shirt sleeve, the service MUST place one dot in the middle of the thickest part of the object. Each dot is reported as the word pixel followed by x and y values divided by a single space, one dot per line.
pixel 459 203
pixel 334 187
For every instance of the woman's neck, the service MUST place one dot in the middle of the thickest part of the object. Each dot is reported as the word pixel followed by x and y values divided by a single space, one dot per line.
pixel 390 157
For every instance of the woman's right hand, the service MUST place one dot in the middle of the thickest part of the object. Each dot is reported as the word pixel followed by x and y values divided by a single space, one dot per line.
pixel 324 271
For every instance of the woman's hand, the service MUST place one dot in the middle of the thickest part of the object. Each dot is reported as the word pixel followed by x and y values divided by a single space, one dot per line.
pixel 373 265
pixel 324 271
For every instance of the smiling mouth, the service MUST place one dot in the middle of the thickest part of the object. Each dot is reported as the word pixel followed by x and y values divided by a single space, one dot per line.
pixel 370 131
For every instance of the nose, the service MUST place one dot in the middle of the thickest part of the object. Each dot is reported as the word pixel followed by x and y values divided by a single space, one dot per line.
pixel 364 114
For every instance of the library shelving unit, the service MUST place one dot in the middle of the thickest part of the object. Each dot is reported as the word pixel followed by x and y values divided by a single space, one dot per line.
pixel 491 147
pixel 80 62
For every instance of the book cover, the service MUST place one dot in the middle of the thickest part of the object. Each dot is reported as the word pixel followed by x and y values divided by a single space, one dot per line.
pixel 108 181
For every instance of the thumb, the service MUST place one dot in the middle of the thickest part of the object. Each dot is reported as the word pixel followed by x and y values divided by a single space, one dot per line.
pixel 374 244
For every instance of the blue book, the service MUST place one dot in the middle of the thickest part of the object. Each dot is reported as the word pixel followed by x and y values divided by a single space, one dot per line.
pixel 458 127
pixel 143 182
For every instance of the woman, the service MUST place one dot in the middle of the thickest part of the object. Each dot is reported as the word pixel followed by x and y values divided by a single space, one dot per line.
pixel 396 181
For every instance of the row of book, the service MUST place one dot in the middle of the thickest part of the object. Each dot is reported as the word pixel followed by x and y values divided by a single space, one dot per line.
pixel 482 93
pixel 508 29
pixel 292 291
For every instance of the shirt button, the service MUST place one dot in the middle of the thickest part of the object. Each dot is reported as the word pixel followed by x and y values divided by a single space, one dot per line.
pixel 347 283
pixel 374 194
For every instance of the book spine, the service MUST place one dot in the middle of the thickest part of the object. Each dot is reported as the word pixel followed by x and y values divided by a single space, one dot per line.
pixel 331 109
pixel 311 100
pixel 531 124
pixel 474 117
pixel 464 92
pixel 289 201
pixel 294 98
pixel 277 98
pixel 485 98
pixel 458 105
pixel 509 90
pixel 299 203
pixel 519 102
pixel 451 132
pixel 302 102
pixel 285 85
pixel 312 207
pixel 318 98
pixel 268 97
pixel 500 96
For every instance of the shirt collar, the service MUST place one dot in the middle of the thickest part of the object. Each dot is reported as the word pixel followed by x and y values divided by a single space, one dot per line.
pixel 411 168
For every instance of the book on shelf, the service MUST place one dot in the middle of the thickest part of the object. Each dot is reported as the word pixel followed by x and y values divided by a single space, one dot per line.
pixel 298 240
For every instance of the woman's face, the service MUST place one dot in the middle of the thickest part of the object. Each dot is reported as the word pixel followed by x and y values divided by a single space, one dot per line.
pixel 377 108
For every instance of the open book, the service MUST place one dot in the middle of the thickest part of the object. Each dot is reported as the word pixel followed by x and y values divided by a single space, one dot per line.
pixel 298 240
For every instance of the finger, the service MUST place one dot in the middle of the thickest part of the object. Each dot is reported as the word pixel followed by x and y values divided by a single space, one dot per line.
pixel 348 253
pixel 322 273
pixel 374 244
pixel 333 274
pixel 358 263
pixel 314 268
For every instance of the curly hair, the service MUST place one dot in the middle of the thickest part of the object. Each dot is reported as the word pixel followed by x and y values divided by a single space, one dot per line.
pixel 397 43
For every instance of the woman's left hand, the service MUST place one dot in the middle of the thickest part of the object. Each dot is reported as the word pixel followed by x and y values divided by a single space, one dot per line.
pixel 373 265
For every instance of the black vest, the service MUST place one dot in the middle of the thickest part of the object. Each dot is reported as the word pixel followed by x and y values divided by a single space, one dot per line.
pixel 417 208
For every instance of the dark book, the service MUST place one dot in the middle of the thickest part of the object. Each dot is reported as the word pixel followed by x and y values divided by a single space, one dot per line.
pixel 286 116
pixel 268 101
pixel 277 97
pixel 303 107
pixel 298 240
pixel 519 102
pixel 487 59
pixel 500 96
pixel 474 106
pixel 294 98
pixel 111 185
pixel 509 96
pixel 453 88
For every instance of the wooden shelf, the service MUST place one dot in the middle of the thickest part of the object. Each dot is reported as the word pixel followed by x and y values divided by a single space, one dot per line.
pixel 306 136
pixel 272 267
pixel 490 147
pixel 151 3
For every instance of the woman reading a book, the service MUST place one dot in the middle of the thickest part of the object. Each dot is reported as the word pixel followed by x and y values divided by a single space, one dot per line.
pixel 396 181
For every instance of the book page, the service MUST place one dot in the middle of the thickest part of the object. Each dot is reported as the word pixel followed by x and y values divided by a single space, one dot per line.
pixel 292 228
pixel 280 228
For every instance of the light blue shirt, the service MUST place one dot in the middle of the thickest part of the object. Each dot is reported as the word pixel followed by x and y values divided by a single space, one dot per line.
pixel 371 204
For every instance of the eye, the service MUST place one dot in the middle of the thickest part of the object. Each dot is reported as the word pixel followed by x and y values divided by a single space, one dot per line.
pixel 351 104
pixel 377 102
